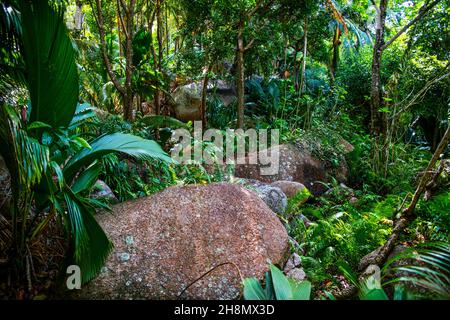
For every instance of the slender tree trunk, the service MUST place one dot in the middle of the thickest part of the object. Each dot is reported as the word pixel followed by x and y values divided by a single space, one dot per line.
pixel 79 16
pixel 204 91
pixel 166 11
pixel 335 57
pixel 377 124
pixel 119 27
pixel 157 101
pixel 240 85
pixel 305 47
pixel 378 120
pixel 151 21
pixel 296 85
pixel 128 100
pixel 126 90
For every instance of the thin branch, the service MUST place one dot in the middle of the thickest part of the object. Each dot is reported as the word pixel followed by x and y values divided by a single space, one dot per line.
pixel 124 29
pixel 208 272
pixel 421 93
pixel 426 175
pixel 423 10
pixel 124 7
pixel 249 45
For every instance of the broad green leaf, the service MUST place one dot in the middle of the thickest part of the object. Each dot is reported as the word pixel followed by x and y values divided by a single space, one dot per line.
pixel 38 125
pixel 81 142
pixel 117 142
pixel 270 293
pixel 157 121
pixel 83 112
pixel 301 290
pixel 281 284
pixel 49 57
pixel 87 178
pixel 90 245
pixel 253 289
pixel 374 294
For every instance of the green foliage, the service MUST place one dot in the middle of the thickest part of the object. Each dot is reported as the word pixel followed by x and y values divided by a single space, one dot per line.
pixel 43 30
pixel 340 232
pixel 434 218
pixel 141 44
pixel 158 121
pixel 52 165
pixel 277 287
pixel 116 142
pixel 429 269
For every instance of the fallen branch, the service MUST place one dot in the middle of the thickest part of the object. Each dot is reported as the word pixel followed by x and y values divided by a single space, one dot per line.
pixel 379 256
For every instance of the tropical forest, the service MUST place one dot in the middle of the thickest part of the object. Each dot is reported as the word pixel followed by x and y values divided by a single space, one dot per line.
pixel 225 150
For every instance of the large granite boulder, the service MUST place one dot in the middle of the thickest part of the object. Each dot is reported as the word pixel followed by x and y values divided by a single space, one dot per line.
pixel 167 241
pixel 296 163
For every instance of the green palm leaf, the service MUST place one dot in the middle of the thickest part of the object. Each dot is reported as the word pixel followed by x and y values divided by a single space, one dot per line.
pixel 158 121
pixel 49 57
pixel 253 290
pixel 11 65
pixel 281 285
pixel 90 245
pixel 116 142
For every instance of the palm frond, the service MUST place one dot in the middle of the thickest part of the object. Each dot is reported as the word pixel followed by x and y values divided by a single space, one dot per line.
pixel 430 271
pixel 90 245
pixel 332 5
pixel 83 112
pixel 49 57
pixel 30 158
pixel 12 70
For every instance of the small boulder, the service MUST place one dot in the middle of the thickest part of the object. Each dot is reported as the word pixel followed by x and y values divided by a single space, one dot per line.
pixel 273 196
pixel 294 261
pixel 347 146
pixel 188 98
pixel 188 102
pixel 291 188
pixel 297 274
pixel 101 191
pixel 293 268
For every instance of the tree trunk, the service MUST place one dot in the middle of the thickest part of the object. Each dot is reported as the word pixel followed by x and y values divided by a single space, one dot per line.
pixel 126 90
pixel 119 27
pixel 204 90
pixel 305 46
pixel 79 16
pixel 240 85
pixel 377 119
pixel 128 98
pixel 335 58
pixel 157 101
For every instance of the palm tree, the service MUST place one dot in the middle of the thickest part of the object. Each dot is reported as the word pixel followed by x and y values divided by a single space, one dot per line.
pixel 46 180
